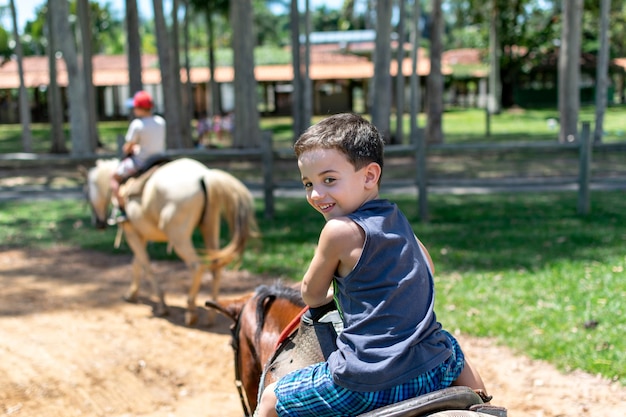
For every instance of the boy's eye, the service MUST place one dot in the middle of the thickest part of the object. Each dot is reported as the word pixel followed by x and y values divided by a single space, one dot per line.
pixel 329 180
pixel 307 185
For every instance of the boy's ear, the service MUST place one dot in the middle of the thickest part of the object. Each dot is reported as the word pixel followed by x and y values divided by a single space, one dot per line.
pixel 372 174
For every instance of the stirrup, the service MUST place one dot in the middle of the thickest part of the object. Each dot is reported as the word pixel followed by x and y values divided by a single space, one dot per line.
pixel 117 216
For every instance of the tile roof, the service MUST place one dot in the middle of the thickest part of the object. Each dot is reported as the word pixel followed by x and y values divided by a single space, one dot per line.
pixel 110 70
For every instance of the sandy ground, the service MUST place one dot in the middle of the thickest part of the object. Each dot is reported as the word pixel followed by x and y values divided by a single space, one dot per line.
pixel 69 346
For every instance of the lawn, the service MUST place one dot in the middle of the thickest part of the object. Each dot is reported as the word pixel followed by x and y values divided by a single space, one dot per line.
pixel 522 268
pixel 459 126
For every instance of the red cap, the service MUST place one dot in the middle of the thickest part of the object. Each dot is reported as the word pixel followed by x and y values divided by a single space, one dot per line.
pixel 142 100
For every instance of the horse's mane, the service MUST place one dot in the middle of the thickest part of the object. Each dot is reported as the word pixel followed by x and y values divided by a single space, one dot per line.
pixel 265 295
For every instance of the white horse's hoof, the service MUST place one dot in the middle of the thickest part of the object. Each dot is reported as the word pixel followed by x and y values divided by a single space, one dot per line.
pixel 161 311
pixel 191 318
pixel 130 298
pixel 211 315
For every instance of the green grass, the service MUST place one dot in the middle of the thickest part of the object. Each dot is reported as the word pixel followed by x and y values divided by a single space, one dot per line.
pixel 524 269
pixel 459 126
pixel 11 136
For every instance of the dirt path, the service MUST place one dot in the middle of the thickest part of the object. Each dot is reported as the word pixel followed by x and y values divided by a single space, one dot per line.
pixel 70 347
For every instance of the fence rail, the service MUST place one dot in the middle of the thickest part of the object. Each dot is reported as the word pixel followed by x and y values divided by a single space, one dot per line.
pixel 478 165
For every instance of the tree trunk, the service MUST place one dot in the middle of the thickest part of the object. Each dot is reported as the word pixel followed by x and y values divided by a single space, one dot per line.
pixel 247 132
pixel 172 112
pixel 494 104
pixel 180 97
pixel 602 70
pixel 134 47
pixel 307 87
pixel 415 83
pixel 188 99
pixel 84 19
pixel 215 105
pixel 297 93
pixel 55 104
pixel 380 98
pixel 79 130
pixel 569 70
pixel 434 132
pixel 399 137
pixel 25 119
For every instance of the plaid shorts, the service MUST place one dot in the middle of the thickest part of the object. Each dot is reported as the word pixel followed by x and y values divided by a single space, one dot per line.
pixel 312 392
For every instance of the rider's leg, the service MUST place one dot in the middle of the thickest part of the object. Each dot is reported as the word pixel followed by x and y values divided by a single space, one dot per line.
pixel 125 169
pixel 115 190
pixel 267 405
pixel 471 378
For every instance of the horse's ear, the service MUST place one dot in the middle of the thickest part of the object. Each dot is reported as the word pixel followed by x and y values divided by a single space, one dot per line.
pixel 225 310
pixel 83 171
pixel 230 308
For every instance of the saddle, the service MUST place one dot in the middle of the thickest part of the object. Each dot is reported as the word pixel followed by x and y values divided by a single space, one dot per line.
pixel 308 339
pixel 311 338
pixel 134 184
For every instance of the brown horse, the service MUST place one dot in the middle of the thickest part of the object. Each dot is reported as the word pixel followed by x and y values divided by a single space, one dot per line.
pixel 178 197
pixel 259 323
pixel 258 320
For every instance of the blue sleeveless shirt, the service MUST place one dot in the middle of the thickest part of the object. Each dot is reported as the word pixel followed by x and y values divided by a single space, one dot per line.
pixel 391 333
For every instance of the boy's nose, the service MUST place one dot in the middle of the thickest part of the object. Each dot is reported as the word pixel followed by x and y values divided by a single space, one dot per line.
pixel 316 193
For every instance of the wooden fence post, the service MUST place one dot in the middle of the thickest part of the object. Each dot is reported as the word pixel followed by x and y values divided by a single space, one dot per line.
pixel 421 176
pixel 267 157
pixel 584 170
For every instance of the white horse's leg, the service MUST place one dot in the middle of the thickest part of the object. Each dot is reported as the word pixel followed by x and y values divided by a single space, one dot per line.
pixel 185 250
pixel 141 264
pixel 210 234
pixel 191 316
pixel 133 290
pixel 215 291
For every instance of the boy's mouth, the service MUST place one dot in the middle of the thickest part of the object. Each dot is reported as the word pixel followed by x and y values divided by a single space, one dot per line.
pixel 326 207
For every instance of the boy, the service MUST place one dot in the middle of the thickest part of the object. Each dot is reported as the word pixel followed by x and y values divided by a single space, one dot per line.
pixel 145 137
pixel 392 348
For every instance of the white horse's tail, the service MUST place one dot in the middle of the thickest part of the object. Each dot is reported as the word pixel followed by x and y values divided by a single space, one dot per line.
pixel 229 198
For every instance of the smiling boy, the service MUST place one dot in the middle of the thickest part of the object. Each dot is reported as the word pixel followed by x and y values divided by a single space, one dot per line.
pixel 392 347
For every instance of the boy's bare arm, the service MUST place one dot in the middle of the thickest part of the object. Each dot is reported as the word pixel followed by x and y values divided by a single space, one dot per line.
pixel 338 249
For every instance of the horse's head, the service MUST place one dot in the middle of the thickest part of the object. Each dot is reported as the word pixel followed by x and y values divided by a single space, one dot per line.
pixel 98 190
pixel 259 319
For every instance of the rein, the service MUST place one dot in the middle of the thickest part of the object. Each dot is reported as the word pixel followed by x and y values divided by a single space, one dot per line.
pixel 235 330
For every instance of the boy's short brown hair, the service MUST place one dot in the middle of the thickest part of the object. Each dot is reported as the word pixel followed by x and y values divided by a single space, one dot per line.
pixel 348 133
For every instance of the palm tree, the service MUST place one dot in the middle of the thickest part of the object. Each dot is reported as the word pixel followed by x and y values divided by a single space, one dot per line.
pixel 209 9
pixel 180 97
pixel 188 90
pixel 247 132
pixel 79 131
pixel 301 95
pixel 569 70
pixel 495 87
pixel 399 75
pixel 435 78
pixel 84 20
pixel 602 69
pixel 381 91
pixel 27 137
pixel 171 104
pixel 55 105
pixel 416 137
pixel 134 47
pixel 414 80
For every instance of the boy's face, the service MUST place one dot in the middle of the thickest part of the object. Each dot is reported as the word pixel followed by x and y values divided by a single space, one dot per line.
pixel 332 185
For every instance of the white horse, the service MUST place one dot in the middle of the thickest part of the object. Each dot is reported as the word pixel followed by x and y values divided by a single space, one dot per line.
pixel 180 196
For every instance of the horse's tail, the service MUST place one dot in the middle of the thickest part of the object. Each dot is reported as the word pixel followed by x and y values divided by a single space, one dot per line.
pixel 229 198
